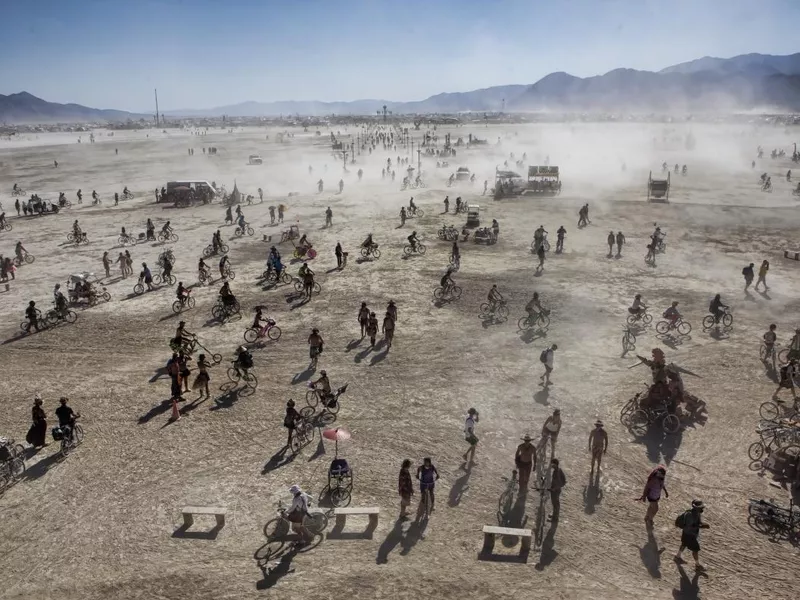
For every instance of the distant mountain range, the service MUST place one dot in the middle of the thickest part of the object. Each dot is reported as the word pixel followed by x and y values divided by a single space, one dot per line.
pixel 746 82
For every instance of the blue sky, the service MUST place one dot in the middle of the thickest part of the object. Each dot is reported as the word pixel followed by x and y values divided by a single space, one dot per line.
pixel 207 53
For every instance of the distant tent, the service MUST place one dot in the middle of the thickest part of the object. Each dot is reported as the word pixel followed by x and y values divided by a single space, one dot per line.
pixel 236 196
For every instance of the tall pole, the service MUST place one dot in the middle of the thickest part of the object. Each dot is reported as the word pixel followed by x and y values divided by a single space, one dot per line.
pixel 419 161
pixel 156 93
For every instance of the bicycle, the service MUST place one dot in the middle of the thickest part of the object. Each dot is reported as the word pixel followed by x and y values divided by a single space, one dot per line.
pixel 210 251
pixel 451 292
pixel 628 340
pixel 642 316
pixel 681 326
pixel 223 312
pixel 126 239
pixel 304 432
pixel 270 330
pixel 772 409
pixel 710 321
pixel 204 276
pixel 240 231
pixel 27 258
pixel 237 374
pixel 299 287
pixel 767 517
pixel 165 237
pixel 536 243
pixel 228 273
pixel 507 498
pixel 186 302
pixel 11 471
pixel 419 249
pixel 127 195
pixel 425 502
pixel 6 226
pixel 416 212
pixel 542 321
pixel 771 437
pixel 72 436
pixel 315 522
pixel 541 511
pixel 640 420
pixel 455 260
pixel 160 278
pixel 497 310
pixel 53 317
pixel 371 251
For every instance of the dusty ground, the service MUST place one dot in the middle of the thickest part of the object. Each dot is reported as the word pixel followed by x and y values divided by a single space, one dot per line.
pixel 100 524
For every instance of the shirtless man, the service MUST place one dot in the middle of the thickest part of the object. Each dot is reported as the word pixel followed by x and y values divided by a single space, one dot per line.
pixel 525 459
pixel 598 444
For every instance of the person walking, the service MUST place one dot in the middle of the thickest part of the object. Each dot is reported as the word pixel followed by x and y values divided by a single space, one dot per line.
pixel 372 329
pixel 691 523
pixel 338 253
pixel 106 264
pixel 446 204
pixel 762 275
pixel 610 241
pixel 405 487
pixel 388 330
pixel 550 430
pixel 123 268
pixel 748 276
pixel 541 255
pixel 786 376
pixel 37 434
pixel 363 318
pixel 469 433
pixel 547 358
pixel 202 378
pixel 652 493
pixel 557 482
pixel 620 242
pixel 525 460
pixel 598 444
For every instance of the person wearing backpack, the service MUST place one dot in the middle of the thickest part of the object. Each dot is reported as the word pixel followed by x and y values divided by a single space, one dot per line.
pixel 546 358
pixel 691 523
pixel 786 377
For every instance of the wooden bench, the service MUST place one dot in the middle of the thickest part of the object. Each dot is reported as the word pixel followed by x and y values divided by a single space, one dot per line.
pixel 491 531
pixel 342 514
pixel 189 512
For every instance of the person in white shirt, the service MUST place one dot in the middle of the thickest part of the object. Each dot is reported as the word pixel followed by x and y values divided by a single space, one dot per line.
pixel 297 513
pixel 547 359
pixel 469 433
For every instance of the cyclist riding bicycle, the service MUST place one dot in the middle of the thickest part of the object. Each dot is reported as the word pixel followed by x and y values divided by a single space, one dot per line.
pixel 203 270
pixel 297 512
pixel 166 230
pixel 325 390
pixel 534 307
pixel 125 191
pixel 538 235
pixel 716 308
pixel 672 314
pixel 412 239
pixel 412 208
pixel 183 337
pixel 243 362
pixel 794 346
pixel 94 195
pixel 18 250
pixel 242 222
pixel 447 280
pixel 182 293
pixel 368 243
pixel 224 265
pixel 494 297
pixel 638 306
pixel 315 343
pixel 770 337
pixel 225 293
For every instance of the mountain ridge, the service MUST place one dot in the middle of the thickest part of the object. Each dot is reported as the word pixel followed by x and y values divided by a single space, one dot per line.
pixel 744 82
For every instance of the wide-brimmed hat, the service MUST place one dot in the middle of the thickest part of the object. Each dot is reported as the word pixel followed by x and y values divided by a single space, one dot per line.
pixel 294 489
pixel 526 438
pixel 598 423
pixel 698 504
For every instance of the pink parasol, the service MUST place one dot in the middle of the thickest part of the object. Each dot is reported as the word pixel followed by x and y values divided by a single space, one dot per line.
pixel 336 435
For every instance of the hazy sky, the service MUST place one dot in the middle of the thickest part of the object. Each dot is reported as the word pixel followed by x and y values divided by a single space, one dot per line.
pixel 207 53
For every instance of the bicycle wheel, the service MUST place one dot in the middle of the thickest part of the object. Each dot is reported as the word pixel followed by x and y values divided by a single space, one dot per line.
pixel 138 289
pixel 684 328
pixel 455 293
pixel 671 424
pixel 376 253
pixel 364 253
pixel 662 327
pixel 157 279
pixel 250 335
pixel 77 433
pixel 755 451
pixel 298 286
pixel 437 293
pixel 502 311
pixel 216 311
pixel 209 251
pixel 783 356
pixel 250 231
pixel 224 248
pixel 274 333
pixel 340 497
pixel 233 375
pixel 769 411
pixel 727 319
pixel 546 245
pixel 16 467
pixel 173 237
pixel 407 250
pixel 276 528
pixel 523 324
pixel 177 306
pixel 316 522
pixel 312 398
pixel 484 309
pixel 70 316
pixel 230 274
pixel 632 319
pixel 647 319
pixel 317 288
pixel 421 248
pixel 638 422
pixel 543 321
pixel 250 380
pixel 708 322
pixel 762 354
pixel 70 237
